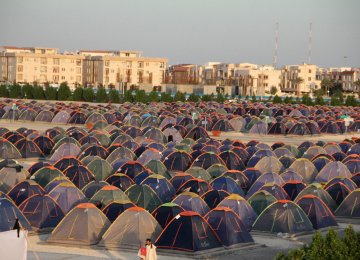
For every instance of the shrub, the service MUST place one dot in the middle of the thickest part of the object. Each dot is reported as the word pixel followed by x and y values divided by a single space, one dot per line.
pixel 351 101
pixel 4 92
pixel 273 90
pixel 319 101
pixel 193 98
pixel 220 98
pixel 335 101
pixel 101 96
pixel 277 100
pixel 64 92
pixel 140 96
pixel 88 95
pixel 154 96
pixel 51 93
pixel 179 96
pixel 38 92
pixel 330 247
pixel 78 94
pixel 253 98
pixel 206 98
pixel 306 100
pixel 28 91
pixel 166 97
pixel 15 91
pixel 114 96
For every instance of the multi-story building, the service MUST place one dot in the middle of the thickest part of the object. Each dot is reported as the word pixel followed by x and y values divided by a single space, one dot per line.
pixel 95 68
pixel 40 65
pixel 257 80
pixel 299 79
pixel 122 69
pixel 346 76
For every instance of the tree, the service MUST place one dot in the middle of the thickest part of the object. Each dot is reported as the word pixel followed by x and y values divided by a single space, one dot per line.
pixel 28 91
pixel 166 97
pixel 330 247
pixel 4 92
pixel 220 98
pixel 273 90
pixel 306 100
pixel 277 100
pixel 206 98
pixel 319 100
pixel 253 98
pixel 140 96
pixel 154 96
pixel 38 92
pixel 64 92
pixel 78 94
pixel 193 98
pixel 335 101
pixel 288 100
pixel 51 93
pixel 351 101
pixel 114 96
pixel 88 95
pixel 128 97
pixel 179 96
pixel 15 91
pixel 101 96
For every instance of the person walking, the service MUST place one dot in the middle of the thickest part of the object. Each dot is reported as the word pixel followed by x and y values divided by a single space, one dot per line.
pixel 150 250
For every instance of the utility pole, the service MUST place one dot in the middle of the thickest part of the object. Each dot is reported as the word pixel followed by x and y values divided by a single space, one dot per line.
pixel 276 45
pixel 310 43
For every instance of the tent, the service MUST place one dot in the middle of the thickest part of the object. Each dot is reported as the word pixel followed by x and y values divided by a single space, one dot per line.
pixel 120 180
pixel 79 175
pixel 198 186
pixel 41 211
pixel 161 186
pixel 241 207
pixel 305 168
pixel 332 170
pixel 350 207
pixel 83 225
pixel 166 212
pixel 8 215
pixel 293 188
pixel 8 150
pixel 214 197
pixel 317 211
pixel 67 196
pixel 143 196
pixel 178 161
pixel 317 190
pixel 46 174
pixel 191 202
pixel 283 216
pixel 115 208
pixel 24 190
pixel 91 188
pixel 228 226
pixel 193 234
pixel 131 229
pixel 106 195
pixel 261 200
pixel 227 184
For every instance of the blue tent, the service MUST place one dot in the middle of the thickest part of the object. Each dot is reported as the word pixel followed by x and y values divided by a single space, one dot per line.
pixel 166 212
pixel 8 215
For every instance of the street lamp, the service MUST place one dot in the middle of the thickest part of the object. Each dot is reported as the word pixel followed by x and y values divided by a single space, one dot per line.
pixel 328 92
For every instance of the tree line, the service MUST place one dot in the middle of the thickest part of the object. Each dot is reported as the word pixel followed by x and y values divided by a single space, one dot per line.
pixel 64 93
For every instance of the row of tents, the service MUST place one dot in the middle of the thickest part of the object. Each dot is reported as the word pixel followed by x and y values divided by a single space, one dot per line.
pixel 254 118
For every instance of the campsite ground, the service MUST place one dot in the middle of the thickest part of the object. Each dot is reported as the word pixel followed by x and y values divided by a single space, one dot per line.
pixel 267 246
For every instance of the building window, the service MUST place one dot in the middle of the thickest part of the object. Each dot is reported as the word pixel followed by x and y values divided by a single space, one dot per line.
pixel 72 61
pixel 140 64
pixel 78 62
pixel 309 78
pixel 78 70
pixel 107 63
pixel 107 71
pixel 43 69
pixel 78 79
pixel 43 61
pixel 63 77
pixel 127 54
pixel 20 68
pixel 56 78
pixel 128 64
pixel 20 59
pixel 56 61
pixel 309 71
pixel 56 69
pixel 43 51
pixel 161 65
pixel 62 69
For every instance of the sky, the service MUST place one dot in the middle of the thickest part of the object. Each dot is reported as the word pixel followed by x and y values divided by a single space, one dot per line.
pixel 191 31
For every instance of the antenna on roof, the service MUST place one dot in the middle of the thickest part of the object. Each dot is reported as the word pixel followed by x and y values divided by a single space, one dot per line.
pixel 310 42
pixel 276 44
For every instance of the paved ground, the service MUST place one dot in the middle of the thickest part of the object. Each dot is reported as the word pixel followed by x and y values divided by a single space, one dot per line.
pixel 266 246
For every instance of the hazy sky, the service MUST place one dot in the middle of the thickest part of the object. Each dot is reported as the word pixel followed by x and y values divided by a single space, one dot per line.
pixel 191 31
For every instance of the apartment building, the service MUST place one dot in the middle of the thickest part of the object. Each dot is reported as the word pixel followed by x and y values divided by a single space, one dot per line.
pixel 346 76
pixel 86 67
pixel 300 79
pixel 257 80
pixel 40 65
pixel 122 69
